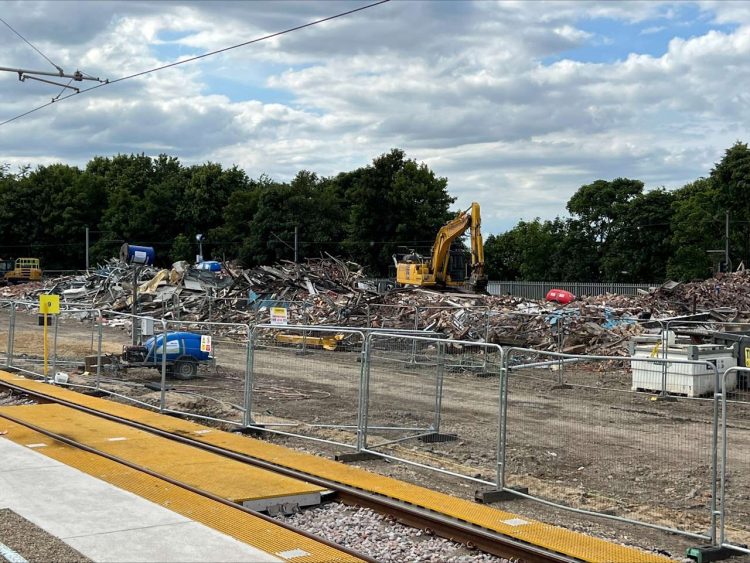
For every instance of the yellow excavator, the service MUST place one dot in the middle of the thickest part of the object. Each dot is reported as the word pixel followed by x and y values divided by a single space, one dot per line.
pixel 446 269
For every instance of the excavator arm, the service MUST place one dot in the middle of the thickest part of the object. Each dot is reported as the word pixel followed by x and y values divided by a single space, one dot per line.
pixel 441 249
pixel 478 280
pixel 435 272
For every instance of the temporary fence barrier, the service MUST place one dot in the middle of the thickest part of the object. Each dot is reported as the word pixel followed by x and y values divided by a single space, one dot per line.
pixel 28 351
pixel 570 428
pixel 734 510
pixel 211 389
pixel 415 411
pixel 305 381
pixel 206 383
pixel 595 446
pixel 7 322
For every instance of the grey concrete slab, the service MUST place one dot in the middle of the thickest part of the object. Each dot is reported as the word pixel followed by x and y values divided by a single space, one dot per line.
pixel 187 542
pixel 55 497
pixel 103 522
pixel 16 458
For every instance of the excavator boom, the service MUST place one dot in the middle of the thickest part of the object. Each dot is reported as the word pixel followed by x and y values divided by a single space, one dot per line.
pixel 435 272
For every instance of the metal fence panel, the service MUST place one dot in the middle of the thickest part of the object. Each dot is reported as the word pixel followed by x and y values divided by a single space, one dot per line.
pixel 7 320
pixel 101 366
pixel 538 290
pixel 217 390
pixel 577 435
pixel 306 381
pixel 68 338
pixel 420 403
pixel 213 390
pixel 735 461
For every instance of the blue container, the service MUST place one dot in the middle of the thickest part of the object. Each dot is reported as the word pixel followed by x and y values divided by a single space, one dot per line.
pixel 210 265
pixel 132 254
pixel 178 344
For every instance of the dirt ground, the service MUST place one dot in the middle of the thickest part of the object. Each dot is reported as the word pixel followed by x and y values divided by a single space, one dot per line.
pixel 591 444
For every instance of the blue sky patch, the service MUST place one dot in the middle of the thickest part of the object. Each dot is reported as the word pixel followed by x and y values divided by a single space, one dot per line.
pixel 242 90
pixel 612 40
pixel 243 81
pixel 169 52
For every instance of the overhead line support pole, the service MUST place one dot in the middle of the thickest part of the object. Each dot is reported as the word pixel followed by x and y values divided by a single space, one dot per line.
pixel 77 75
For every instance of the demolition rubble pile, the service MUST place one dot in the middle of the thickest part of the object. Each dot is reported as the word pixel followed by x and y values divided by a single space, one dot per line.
pixel 328 291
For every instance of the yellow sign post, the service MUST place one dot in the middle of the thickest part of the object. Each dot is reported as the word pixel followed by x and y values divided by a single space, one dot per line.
pixel 48 305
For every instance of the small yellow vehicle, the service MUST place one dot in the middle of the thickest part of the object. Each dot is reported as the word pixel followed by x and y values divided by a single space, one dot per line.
pixel 25 270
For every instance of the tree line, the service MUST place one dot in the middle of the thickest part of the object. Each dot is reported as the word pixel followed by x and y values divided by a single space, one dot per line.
pixel 367 214
pixel 616 230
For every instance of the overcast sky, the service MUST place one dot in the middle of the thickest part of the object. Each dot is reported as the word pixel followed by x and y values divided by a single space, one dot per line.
pixel 517 103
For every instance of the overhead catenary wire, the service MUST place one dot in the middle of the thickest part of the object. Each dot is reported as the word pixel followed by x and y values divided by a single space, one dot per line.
pixel 60 70
pixel 195 58
pixel 218 242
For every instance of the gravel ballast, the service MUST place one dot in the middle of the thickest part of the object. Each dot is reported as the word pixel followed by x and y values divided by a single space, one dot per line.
pixel 381 538
pixel 32 543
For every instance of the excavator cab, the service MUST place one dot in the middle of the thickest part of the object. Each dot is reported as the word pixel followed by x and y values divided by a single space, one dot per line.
pixel 458 263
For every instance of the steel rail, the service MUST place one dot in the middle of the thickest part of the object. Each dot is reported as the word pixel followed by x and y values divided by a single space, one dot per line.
pixel 183 485
pixel 442 525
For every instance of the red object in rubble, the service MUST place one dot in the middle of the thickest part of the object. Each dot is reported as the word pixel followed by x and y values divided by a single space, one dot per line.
pixel 560 296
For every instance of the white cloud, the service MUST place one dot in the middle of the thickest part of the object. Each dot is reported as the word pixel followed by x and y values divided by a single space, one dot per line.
pixel 653 29
pixel 461 86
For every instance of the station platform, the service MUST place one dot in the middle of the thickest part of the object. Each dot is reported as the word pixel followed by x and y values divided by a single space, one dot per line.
pixel 103 522
pixel 552 538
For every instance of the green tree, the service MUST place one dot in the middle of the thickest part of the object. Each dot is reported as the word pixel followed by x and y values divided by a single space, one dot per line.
pixel 601 210
pixel 699 217
pixel 45 214
pixel 695 230
pixel 731 178
pixel 393 203
pixel 126 217
pixel 311 205
pixel 600 204
pixel 557 250
pixel 639 243
pixel 182 249
pixel 230 237
pixel 502 257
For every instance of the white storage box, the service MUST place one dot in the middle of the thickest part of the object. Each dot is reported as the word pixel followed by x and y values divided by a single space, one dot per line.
pixel 691 380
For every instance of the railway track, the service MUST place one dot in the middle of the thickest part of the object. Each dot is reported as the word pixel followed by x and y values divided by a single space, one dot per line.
pixel 442 525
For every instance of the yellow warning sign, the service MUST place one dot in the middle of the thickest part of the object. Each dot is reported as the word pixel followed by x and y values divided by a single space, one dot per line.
pixel 49 304
pixel 279 316
pixel 206 343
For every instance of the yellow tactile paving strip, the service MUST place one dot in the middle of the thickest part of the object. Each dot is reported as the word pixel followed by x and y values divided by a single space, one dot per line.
pixel 221 476
pixel 570 543
pixel 236 523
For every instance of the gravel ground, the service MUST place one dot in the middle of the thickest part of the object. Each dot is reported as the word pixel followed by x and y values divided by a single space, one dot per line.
pixel 382 538
pixel 32 543
pixel 11 398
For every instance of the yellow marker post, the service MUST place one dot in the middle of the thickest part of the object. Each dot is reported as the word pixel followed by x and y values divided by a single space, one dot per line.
pixel 48 305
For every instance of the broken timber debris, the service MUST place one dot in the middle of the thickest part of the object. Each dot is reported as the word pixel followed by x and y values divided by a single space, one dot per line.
pixel 329 291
